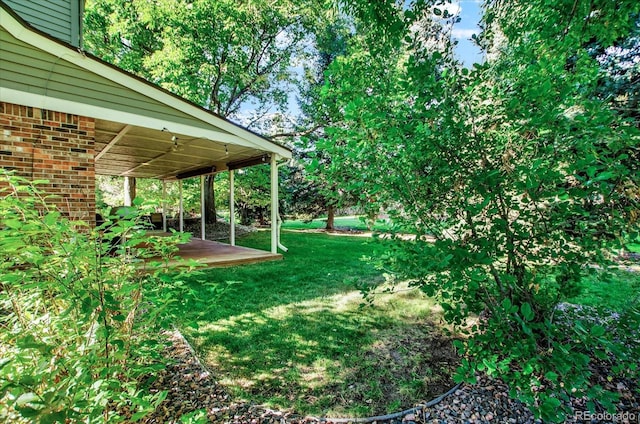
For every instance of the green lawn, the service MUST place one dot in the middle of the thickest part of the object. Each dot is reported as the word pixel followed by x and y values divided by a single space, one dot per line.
pixel 340 222
pixel 613 290
pixel 292 334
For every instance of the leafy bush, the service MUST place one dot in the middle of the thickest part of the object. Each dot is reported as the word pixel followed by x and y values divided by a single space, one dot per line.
pixel 80 312
pixel 515 177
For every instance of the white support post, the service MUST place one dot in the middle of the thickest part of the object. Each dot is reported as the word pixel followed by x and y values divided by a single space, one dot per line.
pixel 202 209
pixel 232 209
pixel 164 206
pixel 274 204
pixel 181 208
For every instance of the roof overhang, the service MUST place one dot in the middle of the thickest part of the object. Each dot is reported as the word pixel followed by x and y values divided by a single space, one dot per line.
pixel 130 144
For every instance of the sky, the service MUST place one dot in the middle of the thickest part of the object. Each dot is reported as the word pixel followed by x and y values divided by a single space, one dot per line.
pixel 470 14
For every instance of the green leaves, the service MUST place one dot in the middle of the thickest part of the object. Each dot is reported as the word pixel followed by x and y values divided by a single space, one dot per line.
pixel 515 177
pixel 527 311
pixel 221 54
pixel 74 339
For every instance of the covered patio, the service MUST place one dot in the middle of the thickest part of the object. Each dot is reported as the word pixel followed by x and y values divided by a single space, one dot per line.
pixel 215 254
pixel 171 155
pixel 73 116
pixel 133 151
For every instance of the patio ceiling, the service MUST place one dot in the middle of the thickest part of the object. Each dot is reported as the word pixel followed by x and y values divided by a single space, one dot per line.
pixel 135 151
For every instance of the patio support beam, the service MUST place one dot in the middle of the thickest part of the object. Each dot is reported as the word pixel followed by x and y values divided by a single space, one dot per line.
pixel 181 207
pixel 164 206
pixel 232 209
pixel 202 210
pixel 274 204
pixel 113 142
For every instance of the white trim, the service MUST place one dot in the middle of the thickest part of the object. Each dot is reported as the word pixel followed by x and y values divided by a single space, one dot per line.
pixel 280 245
pixel 202 209
pixel 232 208
pixel 181 207
pixel 274 205
pixel 10 95
pixel 164 206
pixel 121 77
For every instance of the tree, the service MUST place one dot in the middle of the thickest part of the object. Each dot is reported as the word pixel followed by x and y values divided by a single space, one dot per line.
pixel 317 191
pixel 515 177
pixel 222 55
pixel 621 82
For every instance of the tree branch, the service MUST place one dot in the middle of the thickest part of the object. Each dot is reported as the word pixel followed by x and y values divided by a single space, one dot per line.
pixel 300 133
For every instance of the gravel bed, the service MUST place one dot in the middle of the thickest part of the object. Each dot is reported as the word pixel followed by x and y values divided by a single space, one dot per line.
pixel 191 387
pixel 217 231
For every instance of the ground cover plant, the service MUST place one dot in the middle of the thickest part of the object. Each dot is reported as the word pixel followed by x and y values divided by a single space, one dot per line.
pixel 292 334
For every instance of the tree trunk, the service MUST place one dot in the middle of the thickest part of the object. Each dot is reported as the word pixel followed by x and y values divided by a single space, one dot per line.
pixel 209 200
pixel 331 211
pixel 129 190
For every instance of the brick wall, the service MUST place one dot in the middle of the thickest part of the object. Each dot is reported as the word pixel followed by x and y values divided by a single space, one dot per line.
pixel 47 145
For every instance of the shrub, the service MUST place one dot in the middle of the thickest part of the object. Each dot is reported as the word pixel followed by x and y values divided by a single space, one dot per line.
pixel 80 312
pixel 516 177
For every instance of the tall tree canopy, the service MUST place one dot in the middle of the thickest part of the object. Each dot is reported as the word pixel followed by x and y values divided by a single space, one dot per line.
pixel 223 55
pixel 220 54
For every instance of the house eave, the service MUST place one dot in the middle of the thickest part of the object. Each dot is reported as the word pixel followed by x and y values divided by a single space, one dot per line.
pixel 241 136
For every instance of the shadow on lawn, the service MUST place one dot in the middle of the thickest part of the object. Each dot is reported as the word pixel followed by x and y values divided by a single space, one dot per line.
pixel 320 361
pixel 316 265
pixel 290 334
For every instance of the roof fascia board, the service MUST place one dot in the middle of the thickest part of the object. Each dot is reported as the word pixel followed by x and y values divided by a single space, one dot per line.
pixel 77 57
pixel 51 103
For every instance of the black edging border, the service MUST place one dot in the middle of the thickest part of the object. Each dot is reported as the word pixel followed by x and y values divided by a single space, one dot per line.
pixel 389 416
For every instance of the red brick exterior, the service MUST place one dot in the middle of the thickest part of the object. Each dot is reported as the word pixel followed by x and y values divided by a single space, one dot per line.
pixel 47 145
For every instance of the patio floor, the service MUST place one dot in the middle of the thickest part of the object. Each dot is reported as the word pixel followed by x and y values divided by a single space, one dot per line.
pixel 216 254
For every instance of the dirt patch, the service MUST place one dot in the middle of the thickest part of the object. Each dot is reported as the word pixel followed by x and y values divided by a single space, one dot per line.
pixel 412 367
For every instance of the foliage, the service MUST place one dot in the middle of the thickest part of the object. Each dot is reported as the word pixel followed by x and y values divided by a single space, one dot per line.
pixel 219 55
pixel 621 63
pixel 301 198
pixel 109 194
pixel 81 312
pixel 224 55
pixel 351 223
pixel 515 176
pixel 314 190
pixel 253 198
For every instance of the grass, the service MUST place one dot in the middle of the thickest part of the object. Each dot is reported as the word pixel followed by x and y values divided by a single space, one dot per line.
pixel 292 334
pixel 341 222
pixel 613 290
